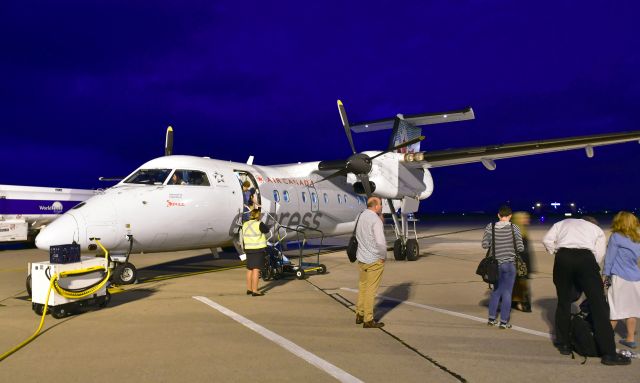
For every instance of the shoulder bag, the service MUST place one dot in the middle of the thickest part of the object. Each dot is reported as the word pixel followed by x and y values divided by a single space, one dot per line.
pixel 488 267
pixel 521 267
pixel 352 247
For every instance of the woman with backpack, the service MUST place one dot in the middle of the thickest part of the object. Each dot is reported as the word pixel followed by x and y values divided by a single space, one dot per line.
pixel 621 267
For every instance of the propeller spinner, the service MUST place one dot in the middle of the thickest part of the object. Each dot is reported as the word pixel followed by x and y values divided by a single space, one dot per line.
pixel 359 164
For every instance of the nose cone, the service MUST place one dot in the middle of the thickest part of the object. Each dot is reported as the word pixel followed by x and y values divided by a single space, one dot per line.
pixel 62 231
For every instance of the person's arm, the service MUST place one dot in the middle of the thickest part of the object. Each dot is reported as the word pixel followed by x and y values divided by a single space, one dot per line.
pixel 519 242
pixel 549 240
pixel 600 246
pixel 486 239
pixel 381 243
pixel 610 255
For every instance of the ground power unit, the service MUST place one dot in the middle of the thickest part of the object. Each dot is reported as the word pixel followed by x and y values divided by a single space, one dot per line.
pixel 73 285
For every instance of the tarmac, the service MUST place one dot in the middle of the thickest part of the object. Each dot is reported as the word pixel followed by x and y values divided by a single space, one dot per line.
pixel 189 320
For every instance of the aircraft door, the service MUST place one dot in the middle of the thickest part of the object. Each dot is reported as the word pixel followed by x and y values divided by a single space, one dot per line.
pixel 313 198
pixel 251 196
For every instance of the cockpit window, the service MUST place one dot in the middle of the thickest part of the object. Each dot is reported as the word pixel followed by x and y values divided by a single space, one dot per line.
pixel 148 177
pixel 188 177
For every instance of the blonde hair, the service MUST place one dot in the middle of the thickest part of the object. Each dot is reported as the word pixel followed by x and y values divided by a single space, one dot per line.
pixel 255 214
pixel 626 224
pixel 522 219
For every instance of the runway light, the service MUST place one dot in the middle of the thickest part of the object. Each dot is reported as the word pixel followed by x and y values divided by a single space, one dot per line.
pixel 538 204
pixel 572 204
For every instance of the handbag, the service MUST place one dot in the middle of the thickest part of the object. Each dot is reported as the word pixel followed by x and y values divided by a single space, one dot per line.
pixel 352 247
pixel 488 268
pixel 521 266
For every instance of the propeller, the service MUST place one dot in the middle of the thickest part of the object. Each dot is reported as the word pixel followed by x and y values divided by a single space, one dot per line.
pixel 359 164
pixel 168 144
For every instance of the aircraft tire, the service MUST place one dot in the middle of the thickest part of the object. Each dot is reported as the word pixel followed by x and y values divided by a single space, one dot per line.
pixel 412 250
pixel 125 274
pixel 28 283
pixel 399 252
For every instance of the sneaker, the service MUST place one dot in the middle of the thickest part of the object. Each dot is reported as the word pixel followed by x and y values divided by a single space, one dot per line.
pixel 504 326
pixel 625 342
pixel 492 322
pixel 373 324
pixel 359 319
pixel 616 360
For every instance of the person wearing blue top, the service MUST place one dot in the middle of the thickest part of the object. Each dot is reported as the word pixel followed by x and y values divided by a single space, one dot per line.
pixel 621 267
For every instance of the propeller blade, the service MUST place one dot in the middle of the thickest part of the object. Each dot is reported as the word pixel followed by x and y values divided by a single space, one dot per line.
pixel 402 145
pixel 341 172
pixel 365 183
pixel 168 144
pixel 332 165
pixel 345 123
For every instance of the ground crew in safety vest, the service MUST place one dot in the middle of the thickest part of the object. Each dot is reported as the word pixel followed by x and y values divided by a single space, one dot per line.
pixel 255 247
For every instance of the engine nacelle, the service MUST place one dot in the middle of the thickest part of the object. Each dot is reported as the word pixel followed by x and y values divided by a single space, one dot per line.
pixel 394 180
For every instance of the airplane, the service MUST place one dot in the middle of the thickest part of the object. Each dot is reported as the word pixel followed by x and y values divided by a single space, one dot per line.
pixel 24 210
pixel 148 211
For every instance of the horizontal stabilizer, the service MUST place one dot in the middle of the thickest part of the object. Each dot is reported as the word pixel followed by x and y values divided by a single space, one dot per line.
pixel 416 120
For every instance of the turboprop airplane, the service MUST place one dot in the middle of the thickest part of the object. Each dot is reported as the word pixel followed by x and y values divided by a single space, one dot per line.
pixel 26 209
pixel 179 202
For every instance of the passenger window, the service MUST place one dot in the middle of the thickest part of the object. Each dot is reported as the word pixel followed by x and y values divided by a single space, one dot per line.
pixel 276 196
pixel 339 199
pixel 285 195
pixel 326 198
pixel 314 198
pixel 345 198
pixel 304 197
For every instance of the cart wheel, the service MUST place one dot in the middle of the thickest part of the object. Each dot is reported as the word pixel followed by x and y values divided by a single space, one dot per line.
pixel 300 274
pixel 38 308
pixel 399 252
pixel 323 269
pixel 125 274
pixel 28 283
pixel 59 312
pixel 412 250
pixel 266 274
pixel 106 300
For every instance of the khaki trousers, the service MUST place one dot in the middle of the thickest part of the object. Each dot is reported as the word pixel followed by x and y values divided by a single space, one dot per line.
pixel 370 277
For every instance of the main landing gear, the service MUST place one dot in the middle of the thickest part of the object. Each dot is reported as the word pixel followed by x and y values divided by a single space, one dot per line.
pixel 404 247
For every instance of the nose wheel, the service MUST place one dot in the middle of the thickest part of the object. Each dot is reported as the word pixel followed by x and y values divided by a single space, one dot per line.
pixel 124 274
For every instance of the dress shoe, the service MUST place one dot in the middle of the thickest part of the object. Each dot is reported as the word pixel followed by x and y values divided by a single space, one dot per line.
pixel 359 319
pixel 249 292
pixel 616 360
pixel 256 294
pixel 564 349
pixel 373 324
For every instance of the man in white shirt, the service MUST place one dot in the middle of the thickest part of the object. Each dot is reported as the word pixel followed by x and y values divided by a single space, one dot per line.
pixel 372 252
pixel 579 245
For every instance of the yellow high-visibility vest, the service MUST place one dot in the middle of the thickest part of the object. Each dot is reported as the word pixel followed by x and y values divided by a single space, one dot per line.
pixel 252 237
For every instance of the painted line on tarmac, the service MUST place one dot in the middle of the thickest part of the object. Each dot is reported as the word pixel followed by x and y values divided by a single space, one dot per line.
pixel 454 313
pixel 293 348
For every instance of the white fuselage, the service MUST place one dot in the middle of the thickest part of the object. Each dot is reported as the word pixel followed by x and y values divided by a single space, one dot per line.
pixel 161 216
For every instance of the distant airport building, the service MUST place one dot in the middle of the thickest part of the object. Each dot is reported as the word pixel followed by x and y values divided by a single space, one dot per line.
pixel 568 209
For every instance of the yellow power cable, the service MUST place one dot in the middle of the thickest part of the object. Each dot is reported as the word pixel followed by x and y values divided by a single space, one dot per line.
pixel 67 294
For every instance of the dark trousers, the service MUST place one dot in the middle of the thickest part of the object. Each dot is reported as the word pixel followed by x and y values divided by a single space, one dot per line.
pixel 577 269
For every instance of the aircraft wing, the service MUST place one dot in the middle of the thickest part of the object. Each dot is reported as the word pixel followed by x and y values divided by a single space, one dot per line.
pixel 488 154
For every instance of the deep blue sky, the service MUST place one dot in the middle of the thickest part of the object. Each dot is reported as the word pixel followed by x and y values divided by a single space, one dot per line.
pixel 88 88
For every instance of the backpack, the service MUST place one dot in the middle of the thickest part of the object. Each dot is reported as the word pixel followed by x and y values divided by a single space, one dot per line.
pixel 581 336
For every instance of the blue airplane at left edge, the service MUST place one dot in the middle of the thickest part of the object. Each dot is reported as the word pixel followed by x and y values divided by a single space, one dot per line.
pixel 24 210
